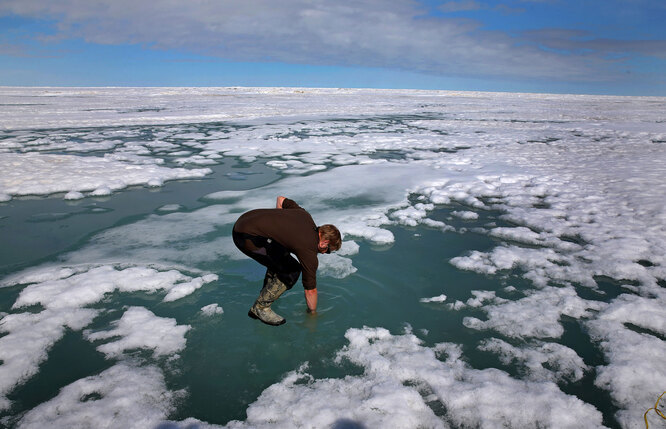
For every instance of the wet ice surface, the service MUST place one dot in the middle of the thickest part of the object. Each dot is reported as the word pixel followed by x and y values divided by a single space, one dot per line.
pixel 503 262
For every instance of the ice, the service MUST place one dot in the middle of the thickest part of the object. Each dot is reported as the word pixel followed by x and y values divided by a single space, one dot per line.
pixel 559 196
pixel 28 338
pixel 535 316
pixel 542 265
pixel 183 289
pixel 541 360
pixel 90 286
pixel 465 215
pixel 635 369
pixel 45 174
pixel 348 248
pixel 412 215
pixel 62 293
pixel 438 298
pixel 124 395
pixel 170 208
pixel 140 328
pixel 335 266
pixel 74 195
pixel 88 107
pixel 404 383
pixel 159 238
pixel 481 298
pixel 212 309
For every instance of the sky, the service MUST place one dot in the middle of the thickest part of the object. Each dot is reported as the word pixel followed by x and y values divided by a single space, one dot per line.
pixel 614 47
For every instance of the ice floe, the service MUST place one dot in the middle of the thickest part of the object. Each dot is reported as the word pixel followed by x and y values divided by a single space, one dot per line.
pixel 45 174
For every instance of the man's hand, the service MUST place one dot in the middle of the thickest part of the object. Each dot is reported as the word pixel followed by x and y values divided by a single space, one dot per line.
pixel 311 300
pixel 278 204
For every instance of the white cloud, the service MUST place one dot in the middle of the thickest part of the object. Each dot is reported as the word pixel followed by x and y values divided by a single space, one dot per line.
pixel 397 35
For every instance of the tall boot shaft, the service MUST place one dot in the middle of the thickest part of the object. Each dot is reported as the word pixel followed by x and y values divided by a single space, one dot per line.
pixel 272 290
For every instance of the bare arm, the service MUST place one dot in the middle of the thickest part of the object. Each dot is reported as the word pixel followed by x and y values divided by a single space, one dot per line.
pixel 278 204
pixel 311 299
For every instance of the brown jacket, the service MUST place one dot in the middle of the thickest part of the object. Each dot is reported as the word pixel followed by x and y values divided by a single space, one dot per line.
pixel 292 227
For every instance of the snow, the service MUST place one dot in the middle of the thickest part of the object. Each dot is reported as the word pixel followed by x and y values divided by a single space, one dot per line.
pixel 45 174
pixel 140 328
pixel 124 395
pixel 575 181
pixel 63 294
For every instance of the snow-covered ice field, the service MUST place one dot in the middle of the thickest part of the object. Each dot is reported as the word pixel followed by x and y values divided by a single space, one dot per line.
pixel 503 261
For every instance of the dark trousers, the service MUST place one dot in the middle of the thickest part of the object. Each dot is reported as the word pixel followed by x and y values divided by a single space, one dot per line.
pixel 272 255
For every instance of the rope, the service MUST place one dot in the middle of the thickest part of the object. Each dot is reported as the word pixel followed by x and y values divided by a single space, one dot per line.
pixel 656 410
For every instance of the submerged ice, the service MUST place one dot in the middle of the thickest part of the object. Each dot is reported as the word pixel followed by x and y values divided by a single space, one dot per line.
pixel 558 201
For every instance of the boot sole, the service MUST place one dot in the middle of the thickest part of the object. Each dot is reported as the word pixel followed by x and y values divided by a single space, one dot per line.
pixel 254 316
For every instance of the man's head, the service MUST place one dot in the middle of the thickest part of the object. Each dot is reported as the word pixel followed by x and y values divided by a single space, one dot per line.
pixel 329 239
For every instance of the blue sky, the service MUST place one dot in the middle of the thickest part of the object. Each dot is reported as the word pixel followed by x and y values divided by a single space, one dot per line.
pixel 584 46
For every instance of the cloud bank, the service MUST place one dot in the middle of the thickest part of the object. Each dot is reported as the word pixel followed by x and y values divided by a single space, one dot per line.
pixel 400 35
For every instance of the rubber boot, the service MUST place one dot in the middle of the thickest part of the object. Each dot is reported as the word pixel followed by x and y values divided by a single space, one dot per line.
pixel 271 291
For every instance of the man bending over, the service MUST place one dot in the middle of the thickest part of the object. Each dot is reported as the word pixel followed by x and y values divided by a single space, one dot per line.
pixel 269 236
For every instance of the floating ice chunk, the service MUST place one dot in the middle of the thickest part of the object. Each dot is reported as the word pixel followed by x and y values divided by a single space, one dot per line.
pixel 226 196
pixel 196 159
pixel 283 165
pixel 74 195
pixel 186 288
pixel 475 261
pixel 157 144
pixel 437 225
pixel 542 361
pixel 370 233
pixel 28 338
pixel 465 215
pixel 457 305
pixel 4 197
pixel 541 265
pixel 505 258
pixel 412 215
pixel 348 248
pixel 479 298
pixel 211 309
pixel 170 208
pixel 536 315
pixel 101 191
pixel 88 287
pixel 335 266
pixel 522 234
pixel 122 396
pixel 439 298
pixel 139 328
